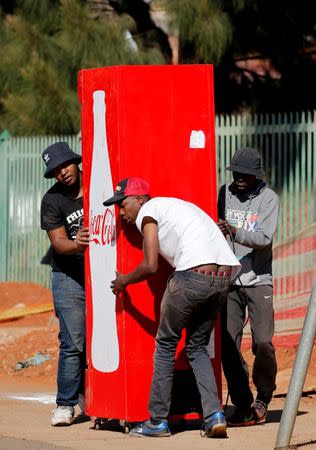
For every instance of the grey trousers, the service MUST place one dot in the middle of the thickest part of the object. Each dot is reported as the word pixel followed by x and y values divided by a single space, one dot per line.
pixel 259 302
pixel 191 301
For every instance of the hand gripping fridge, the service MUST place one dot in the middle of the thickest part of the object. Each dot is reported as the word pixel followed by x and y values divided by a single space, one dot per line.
pixel 156 123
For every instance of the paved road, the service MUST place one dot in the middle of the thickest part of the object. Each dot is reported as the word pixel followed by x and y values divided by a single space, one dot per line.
pixel 25 425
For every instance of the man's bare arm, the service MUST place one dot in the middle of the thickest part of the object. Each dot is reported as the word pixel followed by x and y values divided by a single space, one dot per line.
pixel 65 246
pixel 149 265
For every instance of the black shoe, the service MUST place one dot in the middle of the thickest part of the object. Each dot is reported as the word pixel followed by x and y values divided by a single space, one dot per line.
pixel 242 418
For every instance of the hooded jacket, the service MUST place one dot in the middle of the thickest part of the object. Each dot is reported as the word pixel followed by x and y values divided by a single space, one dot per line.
pixel 255 215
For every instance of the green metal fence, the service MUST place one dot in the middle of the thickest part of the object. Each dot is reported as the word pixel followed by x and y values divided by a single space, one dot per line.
pixel 287 145
pixel 286 142
pixel 22 186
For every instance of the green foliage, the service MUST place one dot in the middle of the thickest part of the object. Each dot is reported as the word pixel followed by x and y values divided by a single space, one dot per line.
pixel 43 13
pixel 47 102
pixel 44 45
pixel 205 29
pixel 261 49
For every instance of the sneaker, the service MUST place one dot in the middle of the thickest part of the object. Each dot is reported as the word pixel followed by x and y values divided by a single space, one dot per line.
pixel 242 418
pixel 148 429
pixel 215 426
pixel 260 410
pixel 63 415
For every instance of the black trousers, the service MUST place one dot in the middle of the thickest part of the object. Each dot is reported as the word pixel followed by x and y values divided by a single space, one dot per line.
pixel 191 301
pixel 259 301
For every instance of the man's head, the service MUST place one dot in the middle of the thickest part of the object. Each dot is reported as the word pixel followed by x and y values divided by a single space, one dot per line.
pixel 130 194
pixel 61 163
pixel 246 168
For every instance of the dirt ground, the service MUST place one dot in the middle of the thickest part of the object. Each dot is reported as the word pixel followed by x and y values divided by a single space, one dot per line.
pixel 25 424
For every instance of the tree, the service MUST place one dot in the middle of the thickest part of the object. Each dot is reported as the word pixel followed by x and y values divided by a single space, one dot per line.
pixel 204 27
pixel 262 50
pixel 44 45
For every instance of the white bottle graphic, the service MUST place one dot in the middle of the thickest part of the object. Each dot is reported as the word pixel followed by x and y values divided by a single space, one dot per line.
pixel 102 249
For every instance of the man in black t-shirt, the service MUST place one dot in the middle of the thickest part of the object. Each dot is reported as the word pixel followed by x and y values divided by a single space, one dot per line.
pixel 62 218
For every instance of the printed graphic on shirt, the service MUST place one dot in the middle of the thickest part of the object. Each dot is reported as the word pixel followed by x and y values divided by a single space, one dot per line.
pixel 239 219
pixel 75 222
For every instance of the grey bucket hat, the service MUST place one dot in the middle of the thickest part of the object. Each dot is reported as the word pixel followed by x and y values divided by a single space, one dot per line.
pixel 57 154
pixel 246 160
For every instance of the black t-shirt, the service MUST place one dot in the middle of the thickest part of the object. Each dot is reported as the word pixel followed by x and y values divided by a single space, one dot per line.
pixel 59 209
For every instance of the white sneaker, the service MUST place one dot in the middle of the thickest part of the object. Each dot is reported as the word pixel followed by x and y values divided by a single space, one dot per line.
pixel 63 415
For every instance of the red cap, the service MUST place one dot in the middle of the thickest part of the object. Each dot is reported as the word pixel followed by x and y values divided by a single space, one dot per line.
pixel 126 187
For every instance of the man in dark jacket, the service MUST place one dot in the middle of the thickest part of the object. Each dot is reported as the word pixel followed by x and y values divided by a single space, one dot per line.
pixel 248 214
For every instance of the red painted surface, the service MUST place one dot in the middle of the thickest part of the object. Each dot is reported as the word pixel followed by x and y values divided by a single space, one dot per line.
pixel 297 282
pixel 300 246
pixel 151 111
pixel 296 296
pixel 291 313
pixel 284 341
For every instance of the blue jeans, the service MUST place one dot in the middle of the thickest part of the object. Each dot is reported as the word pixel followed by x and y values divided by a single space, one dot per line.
pixel 191 301
pixel 69 303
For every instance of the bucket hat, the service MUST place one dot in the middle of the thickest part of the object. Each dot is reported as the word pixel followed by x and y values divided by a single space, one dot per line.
pixel 246 160
pixel 126 187
pixel 57 154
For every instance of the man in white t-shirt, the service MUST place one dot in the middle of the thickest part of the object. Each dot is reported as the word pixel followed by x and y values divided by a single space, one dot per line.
pixel 204 264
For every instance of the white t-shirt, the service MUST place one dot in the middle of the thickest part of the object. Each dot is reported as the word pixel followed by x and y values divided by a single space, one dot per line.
pixel 187 236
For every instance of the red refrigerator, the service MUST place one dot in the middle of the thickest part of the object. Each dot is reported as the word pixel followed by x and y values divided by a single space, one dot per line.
pixel 157 123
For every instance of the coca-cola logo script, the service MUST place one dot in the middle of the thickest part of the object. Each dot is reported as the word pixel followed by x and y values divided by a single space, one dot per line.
pixel 102 227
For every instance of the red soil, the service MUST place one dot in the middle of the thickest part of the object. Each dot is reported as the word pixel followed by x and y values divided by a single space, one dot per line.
pixel 20 339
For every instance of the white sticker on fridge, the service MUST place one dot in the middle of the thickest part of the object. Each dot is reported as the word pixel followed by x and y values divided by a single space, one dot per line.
pixel 197 139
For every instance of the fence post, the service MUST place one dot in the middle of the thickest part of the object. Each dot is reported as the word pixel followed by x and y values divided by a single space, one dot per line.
pixel 298 376
pixel 4 210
